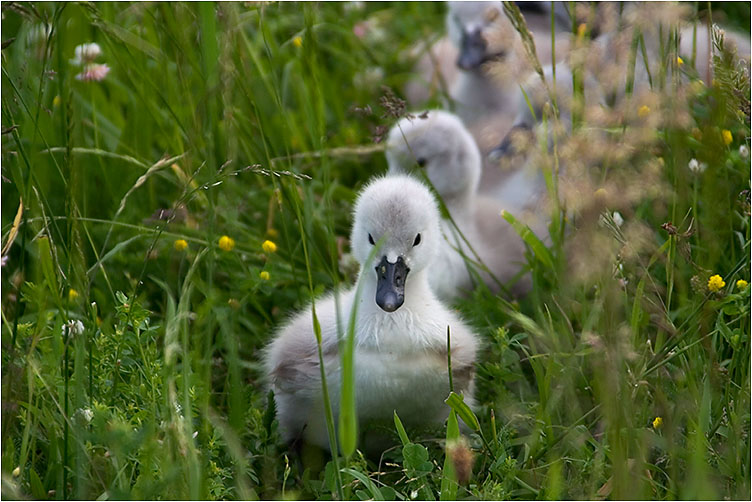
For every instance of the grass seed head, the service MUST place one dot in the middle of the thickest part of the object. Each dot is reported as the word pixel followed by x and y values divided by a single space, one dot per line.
pixel 462 458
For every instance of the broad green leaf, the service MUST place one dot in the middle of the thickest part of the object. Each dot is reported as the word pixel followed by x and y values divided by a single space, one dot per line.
pixel 415 460
pixel 457 403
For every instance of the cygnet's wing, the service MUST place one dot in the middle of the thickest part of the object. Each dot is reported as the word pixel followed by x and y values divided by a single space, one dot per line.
pixel 292 361
pixel 464 346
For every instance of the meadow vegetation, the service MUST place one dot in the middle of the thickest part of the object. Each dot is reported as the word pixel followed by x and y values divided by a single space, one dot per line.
pixel 162 214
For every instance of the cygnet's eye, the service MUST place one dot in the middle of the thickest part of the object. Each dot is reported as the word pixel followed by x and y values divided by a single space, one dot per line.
pixel 421 161
pixel 370 239
pixel 417 240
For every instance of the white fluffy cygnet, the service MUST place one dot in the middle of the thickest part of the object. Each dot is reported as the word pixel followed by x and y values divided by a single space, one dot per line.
pixel 400 329
pixel 481 63
pixel 441 147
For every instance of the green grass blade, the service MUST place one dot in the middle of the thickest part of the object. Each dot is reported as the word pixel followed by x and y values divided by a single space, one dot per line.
pixel 540 251
pixel 448 474
pixel 400 429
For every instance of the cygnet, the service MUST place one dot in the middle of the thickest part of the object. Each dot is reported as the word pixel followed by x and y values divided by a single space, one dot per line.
pixel 436 144
pixel 400 358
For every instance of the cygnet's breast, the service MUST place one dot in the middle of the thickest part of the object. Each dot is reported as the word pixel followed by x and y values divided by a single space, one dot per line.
pixel 411 383
pixel 403 369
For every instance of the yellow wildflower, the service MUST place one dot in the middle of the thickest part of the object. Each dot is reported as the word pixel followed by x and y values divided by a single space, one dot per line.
pixel 16 472
pixel 727 137
pixel 269 247
pixel 56 101
pixel 226 243
pixel 581 30
pixel 741 284
pixel 72 294
pixel 264 275
pixel 716 283
pixel 643 111
pixel 657 423
pixel 181 245
pixel 297 42
pixel 601 193
pixel 679 60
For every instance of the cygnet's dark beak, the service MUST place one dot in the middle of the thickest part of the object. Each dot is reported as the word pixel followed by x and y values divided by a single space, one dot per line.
pixel 520 133
pixel 390 289
pixel 472 51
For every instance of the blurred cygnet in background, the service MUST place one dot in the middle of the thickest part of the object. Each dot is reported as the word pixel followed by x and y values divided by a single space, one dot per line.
pixel 440 147
pixel 482 62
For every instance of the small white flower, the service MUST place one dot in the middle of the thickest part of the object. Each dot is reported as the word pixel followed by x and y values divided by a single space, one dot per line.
pixel 370 77
pixel 744 151
pixel 195 434
pixel 93 72
pixel 697 167
pixel 72 328
pixel 353 6
pixel 86 53
pixel 3 260
pixel 618 220
pixel 83 416
pixel 178 408
pixel 87 414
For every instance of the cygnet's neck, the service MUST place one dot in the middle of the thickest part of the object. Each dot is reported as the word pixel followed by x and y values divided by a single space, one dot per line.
pixel 460 205
pixel 479 94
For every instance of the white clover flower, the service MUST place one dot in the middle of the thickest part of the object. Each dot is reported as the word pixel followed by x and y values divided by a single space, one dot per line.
pixel 697 167
pixel 72 328
pixel 93 72
pixel 354 6
pixel 370 77
pixel 83 415
pixel 618 220
pixel 86 53
pixel 744 151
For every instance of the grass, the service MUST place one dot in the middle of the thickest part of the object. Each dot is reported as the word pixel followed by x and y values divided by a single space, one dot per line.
pixel 240 120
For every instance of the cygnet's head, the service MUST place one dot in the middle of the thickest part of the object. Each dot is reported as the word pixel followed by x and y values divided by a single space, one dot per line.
pixel 399 214
pixel 528 123
pixel 441 146
pixel 480 31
